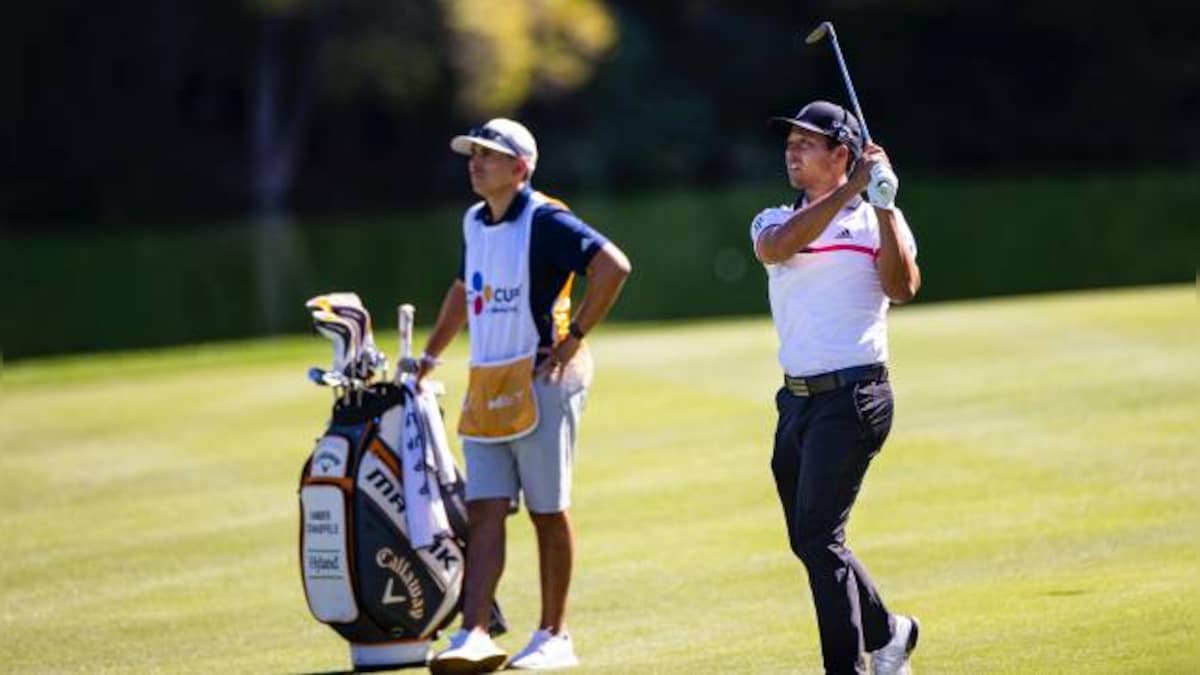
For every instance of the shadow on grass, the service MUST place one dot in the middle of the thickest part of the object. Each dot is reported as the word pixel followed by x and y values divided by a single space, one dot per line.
pixel 384 669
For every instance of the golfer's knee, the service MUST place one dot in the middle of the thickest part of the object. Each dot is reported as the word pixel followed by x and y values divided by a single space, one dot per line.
pixel 811 547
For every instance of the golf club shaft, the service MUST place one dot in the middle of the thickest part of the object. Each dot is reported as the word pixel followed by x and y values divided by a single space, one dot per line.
pixel 837 51
pixel 882 188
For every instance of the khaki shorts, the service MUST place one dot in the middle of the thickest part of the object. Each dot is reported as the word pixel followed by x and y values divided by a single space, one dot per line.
pixel 539 464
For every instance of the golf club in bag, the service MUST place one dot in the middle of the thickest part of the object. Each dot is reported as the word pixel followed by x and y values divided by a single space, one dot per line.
pixel 383 519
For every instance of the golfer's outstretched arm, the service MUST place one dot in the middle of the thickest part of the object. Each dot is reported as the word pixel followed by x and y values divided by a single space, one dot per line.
pixel 451 319
pixel 777 244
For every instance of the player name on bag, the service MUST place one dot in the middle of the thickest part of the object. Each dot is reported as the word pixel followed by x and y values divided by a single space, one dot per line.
pixel 321 522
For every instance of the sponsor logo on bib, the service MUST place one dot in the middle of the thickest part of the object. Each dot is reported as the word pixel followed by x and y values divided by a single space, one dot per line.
pixel 505 400
pixel 482 296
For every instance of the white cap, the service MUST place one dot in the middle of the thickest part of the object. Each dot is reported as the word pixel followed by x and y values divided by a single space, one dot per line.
pixel 502 135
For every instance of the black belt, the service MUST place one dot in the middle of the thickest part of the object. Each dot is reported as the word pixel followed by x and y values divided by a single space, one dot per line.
pixel 819 384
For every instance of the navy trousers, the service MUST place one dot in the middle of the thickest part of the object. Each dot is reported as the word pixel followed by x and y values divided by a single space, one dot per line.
pixel 823 445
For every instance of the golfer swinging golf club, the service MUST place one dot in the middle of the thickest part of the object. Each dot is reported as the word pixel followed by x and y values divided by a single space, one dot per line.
pixel 529 373
pixel 834 263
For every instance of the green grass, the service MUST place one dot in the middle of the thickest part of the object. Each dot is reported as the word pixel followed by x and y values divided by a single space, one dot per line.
pixel 1036 504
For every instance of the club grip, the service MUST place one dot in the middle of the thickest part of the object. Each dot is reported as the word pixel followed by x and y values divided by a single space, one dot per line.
pixel 405 314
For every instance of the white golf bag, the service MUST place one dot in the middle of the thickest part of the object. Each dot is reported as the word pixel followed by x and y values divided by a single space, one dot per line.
pixel 383 522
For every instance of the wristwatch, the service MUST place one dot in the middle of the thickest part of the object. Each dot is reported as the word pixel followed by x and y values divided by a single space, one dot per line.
pixel 575 330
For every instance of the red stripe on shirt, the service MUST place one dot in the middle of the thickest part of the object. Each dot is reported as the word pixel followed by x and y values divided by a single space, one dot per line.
pixel 839 247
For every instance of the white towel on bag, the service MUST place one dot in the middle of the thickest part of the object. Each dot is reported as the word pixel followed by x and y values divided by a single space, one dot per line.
pixel 425 460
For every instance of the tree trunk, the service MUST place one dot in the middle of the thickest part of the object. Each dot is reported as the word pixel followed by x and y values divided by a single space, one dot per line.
pixel 276 135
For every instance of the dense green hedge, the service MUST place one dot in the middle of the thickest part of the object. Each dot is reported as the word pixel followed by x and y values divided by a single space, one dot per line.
pixel 690 249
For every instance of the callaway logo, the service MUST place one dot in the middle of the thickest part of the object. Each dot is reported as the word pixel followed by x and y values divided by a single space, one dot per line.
pixel 327 460
pixel 402 568
pixel 481 296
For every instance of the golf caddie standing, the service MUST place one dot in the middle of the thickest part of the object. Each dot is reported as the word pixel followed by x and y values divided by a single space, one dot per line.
pixel 834 263
pixel 529 373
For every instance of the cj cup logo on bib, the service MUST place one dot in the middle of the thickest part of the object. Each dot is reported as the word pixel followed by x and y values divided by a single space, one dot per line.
pixel 483 297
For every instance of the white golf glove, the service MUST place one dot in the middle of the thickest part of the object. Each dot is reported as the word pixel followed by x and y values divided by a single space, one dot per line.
pixel 881 191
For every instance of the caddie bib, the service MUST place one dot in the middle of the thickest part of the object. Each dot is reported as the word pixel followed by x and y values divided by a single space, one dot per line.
pixel 500 404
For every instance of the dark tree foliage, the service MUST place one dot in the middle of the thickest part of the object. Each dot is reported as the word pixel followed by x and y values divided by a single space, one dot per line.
pixel 138 112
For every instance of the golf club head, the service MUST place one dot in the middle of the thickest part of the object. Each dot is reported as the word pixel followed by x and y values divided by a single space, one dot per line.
pixel 327 301
pixel 344 335
pixel 407 366
pixel 371 362
pixel 348 306
pixel 341 339
pixel 819 32
pixel 327 378
pixel 362 324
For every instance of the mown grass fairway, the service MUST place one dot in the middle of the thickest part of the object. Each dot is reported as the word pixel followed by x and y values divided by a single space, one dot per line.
pixel 1036 505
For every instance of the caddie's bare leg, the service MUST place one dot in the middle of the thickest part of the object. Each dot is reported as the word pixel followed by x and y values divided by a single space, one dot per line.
pixel 485 559
pixel 556 555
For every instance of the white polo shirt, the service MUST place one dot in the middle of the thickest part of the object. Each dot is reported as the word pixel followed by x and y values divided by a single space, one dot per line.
pixel 827 300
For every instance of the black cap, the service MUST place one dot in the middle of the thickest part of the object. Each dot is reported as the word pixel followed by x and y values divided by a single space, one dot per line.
pixel 828 119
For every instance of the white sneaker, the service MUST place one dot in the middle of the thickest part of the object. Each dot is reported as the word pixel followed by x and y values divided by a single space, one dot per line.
pixel 892 658
pixel 469 652
pixel 545 651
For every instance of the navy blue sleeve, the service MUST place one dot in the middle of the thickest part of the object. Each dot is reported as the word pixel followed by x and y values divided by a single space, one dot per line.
pixel 462 263
pixel 567 242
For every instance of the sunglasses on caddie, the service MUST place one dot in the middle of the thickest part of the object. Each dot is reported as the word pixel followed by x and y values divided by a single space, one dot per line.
pixel 492 135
